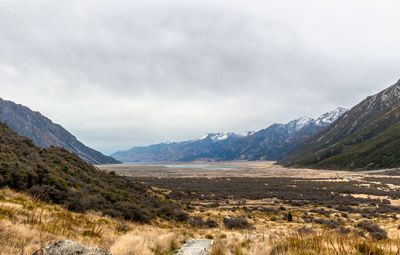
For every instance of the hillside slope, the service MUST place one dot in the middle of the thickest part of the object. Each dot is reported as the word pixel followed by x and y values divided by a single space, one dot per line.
pixel 44 133
pixel 58 176
pixel 366 137
pixel 271 143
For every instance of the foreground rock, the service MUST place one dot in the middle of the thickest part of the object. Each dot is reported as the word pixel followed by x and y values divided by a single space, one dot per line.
pixel 196 247
pixel 67 247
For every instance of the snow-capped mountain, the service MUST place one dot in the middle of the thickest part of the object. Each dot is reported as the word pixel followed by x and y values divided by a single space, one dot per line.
pixel 329 117
pixel 297 124
pixel 223 136
pixel 271 143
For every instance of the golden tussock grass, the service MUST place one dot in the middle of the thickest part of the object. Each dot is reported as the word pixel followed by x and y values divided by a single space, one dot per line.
pixel 148 242
pixel 27 225
pixel 324 243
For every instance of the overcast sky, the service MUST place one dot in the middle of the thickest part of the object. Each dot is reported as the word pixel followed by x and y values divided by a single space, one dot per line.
pixel 119 74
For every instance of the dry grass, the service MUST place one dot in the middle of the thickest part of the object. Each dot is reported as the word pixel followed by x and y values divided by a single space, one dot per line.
pixel 27 224
pixel 223 169
pixel 324 243
pixel 152 241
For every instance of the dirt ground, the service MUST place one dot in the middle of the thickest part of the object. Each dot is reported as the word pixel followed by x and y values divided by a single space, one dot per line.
pixel 227 169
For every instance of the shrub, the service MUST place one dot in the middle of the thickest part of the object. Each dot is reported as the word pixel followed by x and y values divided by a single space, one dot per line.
pixel 329 223
pixel 290 217
pixel 305 230
pixel 196 221
pixel 237 223
pixel 344 231
pixel 211 223
pixel 181 216
pixel 209 236
pixel 374 230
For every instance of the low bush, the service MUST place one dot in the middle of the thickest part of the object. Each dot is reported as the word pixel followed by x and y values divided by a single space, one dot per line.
pixel 196 221
pixel 305 230
pixel 237 223
pixel 374 230
pixel 211 223
pixel 328 223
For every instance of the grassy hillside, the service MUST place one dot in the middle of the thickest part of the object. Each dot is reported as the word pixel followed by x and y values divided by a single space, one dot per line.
pixel 380 151
pixel 367 137
pixel 58 176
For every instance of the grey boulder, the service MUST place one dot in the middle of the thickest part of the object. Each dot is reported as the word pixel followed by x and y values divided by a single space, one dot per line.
pixel 67 247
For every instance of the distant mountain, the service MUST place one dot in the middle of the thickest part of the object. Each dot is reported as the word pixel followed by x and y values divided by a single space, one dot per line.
pixel 214 146
pixel 45 133
pixel 278 140
pixel 271 143
pixel 366 137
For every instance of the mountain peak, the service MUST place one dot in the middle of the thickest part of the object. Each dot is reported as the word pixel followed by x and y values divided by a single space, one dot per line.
pixel 329 117
pixel 384 98
pixel 299 123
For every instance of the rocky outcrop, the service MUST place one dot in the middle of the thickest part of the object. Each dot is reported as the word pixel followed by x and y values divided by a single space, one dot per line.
pixel 67 247
pixel 44 133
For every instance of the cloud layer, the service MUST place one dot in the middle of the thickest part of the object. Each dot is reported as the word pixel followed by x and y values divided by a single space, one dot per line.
pixel 123 73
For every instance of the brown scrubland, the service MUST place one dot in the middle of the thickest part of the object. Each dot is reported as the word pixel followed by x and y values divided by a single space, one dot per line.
pixel 347 223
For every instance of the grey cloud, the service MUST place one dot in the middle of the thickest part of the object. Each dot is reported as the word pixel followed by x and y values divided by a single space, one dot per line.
pixel 125 73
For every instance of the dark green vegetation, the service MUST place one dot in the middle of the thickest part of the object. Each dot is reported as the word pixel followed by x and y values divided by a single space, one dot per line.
pixel 367 137
pixel 44 133
pixel 340 195
pixel 347 207
pixel 58 176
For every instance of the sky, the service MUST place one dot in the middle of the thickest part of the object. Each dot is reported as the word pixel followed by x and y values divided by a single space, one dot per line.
pixel 119 74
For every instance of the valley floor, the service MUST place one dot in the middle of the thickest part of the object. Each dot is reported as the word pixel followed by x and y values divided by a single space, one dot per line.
pixel 286 213
pixel 218 169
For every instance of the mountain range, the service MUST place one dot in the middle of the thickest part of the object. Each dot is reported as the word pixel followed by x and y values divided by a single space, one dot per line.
pixel 44 133
pixel 366 137
pixel 272 143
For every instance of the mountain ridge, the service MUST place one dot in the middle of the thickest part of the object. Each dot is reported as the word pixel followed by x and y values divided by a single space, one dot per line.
pixel 271 143
pixel 45 133
pixel 360 139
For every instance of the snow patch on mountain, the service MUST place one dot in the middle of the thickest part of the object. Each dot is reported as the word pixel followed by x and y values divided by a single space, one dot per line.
pixel 222 136
pixel 247 133
pixel 323 121
pixel 297 124
pixel 329 117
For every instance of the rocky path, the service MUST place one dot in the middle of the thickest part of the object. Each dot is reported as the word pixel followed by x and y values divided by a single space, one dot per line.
pixel 196 247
